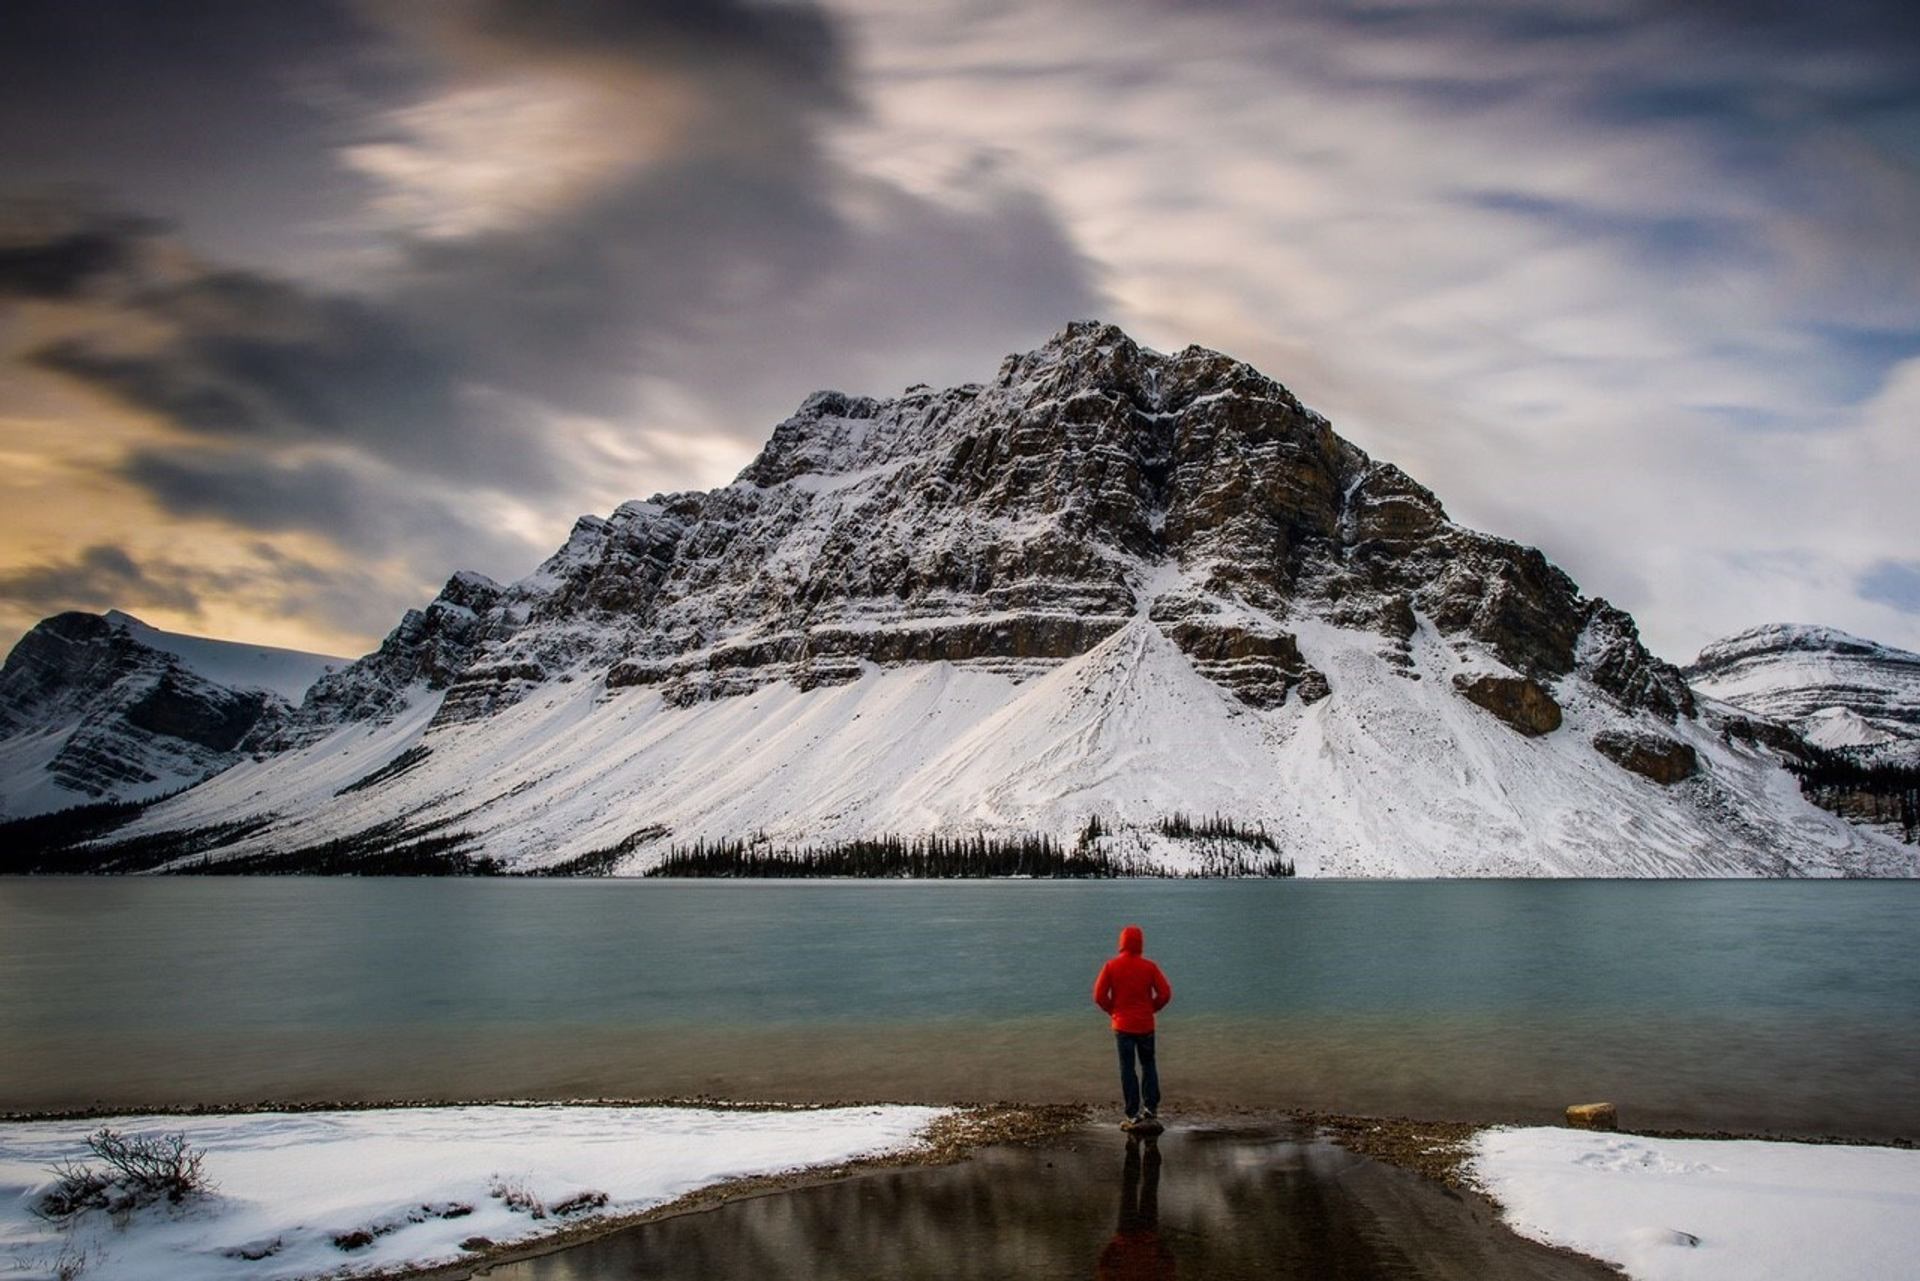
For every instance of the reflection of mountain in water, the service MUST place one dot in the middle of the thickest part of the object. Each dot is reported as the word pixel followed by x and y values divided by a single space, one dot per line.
pixel 1200 1204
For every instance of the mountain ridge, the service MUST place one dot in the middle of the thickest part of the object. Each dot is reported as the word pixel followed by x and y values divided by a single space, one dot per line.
pixel 1108 583
pixel 105 707
pixel 1842 692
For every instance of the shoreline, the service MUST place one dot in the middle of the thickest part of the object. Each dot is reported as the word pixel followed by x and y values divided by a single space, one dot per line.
pixel 948 1140
pixel 1200 1112
pixel 1431 1164
pixel 1418 1200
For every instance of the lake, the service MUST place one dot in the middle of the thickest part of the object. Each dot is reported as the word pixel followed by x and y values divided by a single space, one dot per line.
pixel 1767 1005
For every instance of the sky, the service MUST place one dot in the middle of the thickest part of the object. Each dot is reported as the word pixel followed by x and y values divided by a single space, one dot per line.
pixel 306 305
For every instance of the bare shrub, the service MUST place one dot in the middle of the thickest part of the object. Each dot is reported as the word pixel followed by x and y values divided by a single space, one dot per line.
pixel 75 1188
pixel 517 1196
pixel 140 1170
pixel 153 1166
pixel 72 1261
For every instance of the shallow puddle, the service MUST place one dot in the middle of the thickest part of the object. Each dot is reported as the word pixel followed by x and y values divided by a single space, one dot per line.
pixel 1195 1203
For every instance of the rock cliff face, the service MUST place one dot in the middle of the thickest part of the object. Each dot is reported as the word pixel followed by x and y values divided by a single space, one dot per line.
pixel 1107 583
pixel 1008 526
pixel 96 708
pixel 1839 691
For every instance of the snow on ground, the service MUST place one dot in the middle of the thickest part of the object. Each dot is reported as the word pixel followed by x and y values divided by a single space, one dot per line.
pixel 1710 1210
pixel 418 1180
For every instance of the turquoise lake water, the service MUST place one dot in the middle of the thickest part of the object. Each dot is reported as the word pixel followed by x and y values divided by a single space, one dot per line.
pixel 1791 1006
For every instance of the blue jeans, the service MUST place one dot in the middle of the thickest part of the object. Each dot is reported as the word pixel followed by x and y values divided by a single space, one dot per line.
pixel 1132 1045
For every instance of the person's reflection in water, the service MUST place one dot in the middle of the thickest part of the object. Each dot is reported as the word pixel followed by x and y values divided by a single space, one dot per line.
pixel 1136 1252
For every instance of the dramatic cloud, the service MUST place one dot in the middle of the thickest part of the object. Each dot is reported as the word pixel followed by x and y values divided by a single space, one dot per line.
pixel 369 511
pixel 1626 281
pixel 1633 281
pixel 49 252
pixel 594 235
pixel 100 577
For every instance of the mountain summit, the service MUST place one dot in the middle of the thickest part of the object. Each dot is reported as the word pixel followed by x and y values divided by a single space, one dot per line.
pixel 1843 693
pixel 1107 589
pixel 103 707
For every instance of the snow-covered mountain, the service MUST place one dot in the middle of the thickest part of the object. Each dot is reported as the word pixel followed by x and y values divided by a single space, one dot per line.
pixel 1839 691
pixel 1110 583
pixel 105 708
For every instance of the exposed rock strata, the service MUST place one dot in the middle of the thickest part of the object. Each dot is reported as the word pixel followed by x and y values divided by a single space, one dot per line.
pixel 1009 525
pixel 1108 584
pixel 119 716
pixel 1664 760
pixel 1839 692
pixel 1518 700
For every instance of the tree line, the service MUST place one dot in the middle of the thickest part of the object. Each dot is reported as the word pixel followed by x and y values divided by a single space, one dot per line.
pixel 926 857
pixel 1879 793
pixel 939 857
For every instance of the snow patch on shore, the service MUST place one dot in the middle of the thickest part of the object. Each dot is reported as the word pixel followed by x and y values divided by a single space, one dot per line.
pixel 1709 1210
pixel 415 1181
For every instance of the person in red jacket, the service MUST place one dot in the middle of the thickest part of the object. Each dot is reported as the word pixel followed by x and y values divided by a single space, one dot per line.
pixel 1131 989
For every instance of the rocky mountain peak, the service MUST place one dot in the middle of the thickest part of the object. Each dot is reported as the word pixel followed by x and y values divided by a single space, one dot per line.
pixel 95 707
pixel 1840 691
pixel 1011 524
pixel 1785 638
pixel 1106 582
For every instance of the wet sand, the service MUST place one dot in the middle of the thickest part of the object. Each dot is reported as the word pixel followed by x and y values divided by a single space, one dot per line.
pixel 1229 1202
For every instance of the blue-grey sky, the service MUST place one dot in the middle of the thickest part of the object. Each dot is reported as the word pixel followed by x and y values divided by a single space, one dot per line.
pixel 305 305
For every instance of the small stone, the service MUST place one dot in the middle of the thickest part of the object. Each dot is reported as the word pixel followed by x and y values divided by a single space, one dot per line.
pixel 1593 1116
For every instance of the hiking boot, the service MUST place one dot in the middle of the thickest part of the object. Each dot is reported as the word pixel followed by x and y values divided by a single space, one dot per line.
pixel 1130 1122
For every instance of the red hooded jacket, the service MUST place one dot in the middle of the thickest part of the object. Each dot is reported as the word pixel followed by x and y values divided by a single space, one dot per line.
pixel 1130 987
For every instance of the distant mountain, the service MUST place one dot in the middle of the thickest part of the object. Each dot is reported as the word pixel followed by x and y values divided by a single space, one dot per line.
pixel 105 708
pixel 1147 607
pixel 1839 691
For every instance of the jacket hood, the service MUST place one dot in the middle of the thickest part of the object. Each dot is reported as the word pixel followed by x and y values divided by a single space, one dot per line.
pixel 1132 939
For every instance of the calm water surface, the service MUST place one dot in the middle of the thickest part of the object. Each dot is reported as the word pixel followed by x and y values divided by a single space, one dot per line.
pixel 1764 1005
pixel 1193 1206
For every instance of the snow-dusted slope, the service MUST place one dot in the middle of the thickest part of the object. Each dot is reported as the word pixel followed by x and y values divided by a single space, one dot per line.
pixel 1388 776
pixel 290 673
pixel 1838 690
pixel 1110 583
pixel 106 708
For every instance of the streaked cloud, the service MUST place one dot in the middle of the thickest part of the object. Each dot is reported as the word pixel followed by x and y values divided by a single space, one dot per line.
pixel 1635 282
pixel 602 248
pixel 1894 583
pixel 1630 282
pixel 99 578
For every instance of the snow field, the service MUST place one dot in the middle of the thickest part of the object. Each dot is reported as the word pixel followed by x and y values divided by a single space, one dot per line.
pixel 235 664
pixel 416 1181
pixel 1710 1210
pixel 1388 776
